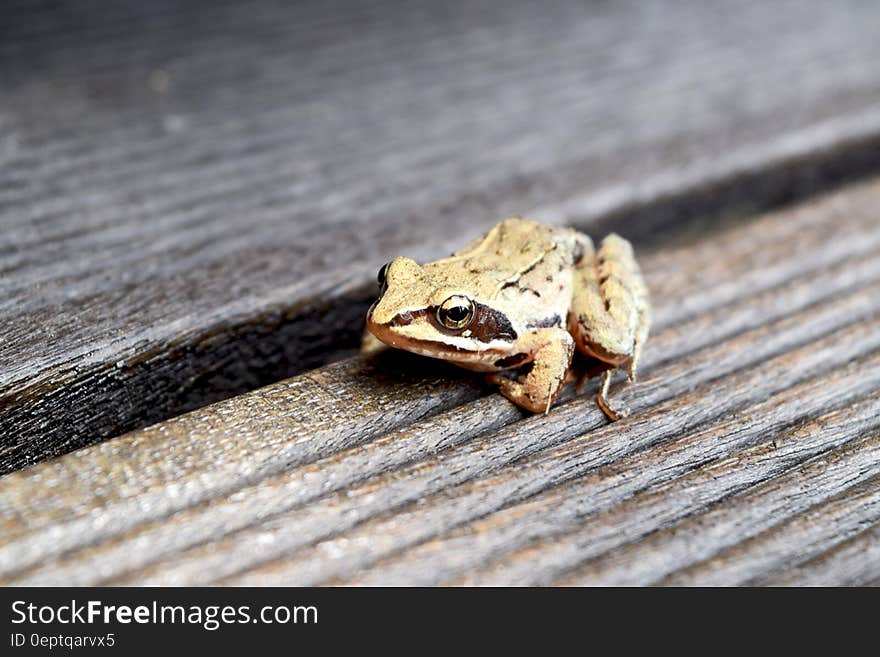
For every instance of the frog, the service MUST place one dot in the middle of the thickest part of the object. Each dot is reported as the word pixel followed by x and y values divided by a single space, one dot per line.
pixel 520 304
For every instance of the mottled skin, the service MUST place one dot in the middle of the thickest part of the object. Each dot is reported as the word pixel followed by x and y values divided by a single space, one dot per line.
pixel 533 294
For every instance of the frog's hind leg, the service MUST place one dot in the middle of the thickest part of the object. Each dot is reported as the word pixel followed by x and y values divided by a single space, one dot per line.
pixel 537 389
pixel 609 315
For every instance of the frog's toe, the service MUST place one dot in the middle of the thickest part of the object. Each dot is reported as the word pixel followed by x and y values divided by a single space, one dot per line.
pixel 602 399
pixel 612 414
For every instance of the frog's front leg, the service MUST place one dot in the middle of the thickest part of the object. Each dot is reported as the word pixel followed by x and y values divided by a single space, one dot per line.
pixel 536 390
pixel 610 312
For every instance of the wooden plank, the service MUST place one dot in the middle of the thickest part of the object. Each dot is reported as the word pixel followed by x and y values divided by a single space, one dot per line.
pixel 421 476
pixel 849 564
pixel 194 208
pixel 835 466
pixel 816 531
pixel 541 518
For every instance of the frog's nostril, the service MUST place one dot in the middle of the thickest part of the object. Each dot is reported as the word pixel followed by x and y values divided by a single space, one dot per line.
pixel 403 319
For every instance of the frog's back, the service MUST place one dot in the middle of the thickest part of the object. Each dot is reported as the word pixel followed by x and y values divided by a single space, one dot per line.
pixel 511 248
pixel 512 244
pixel 508 237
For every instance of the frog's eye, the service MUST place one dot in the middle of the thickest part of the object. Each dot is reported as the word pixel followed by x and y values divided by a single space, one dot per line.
pixel 382 275
pixel 456 312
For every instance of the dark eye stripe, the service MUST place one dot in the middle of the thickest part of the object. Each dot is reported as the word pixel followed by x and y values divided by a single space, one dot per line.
pixel 490 324
pixel 487 324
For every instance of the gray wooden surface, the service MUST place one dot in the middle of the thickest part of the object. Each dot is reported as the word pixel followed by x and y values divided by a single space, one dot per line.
pixel 195 196
pixel 752 454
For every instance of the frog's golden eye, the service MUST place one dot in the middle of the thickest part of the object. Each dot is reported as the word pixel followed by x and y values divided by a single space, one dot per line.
pixel 383 274
pixel 456 312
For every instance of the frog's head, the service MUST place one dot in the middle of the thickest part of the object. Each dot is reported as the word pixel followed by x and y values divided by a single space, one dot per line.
pixel 431 311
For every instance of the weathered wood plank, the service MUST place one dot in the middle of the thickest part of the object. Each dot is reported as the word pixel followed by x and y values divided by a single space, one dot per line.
pixel 815 531
pixel 192 208
pixel 532 514
pixel 596 508
pixel 420 477
pixel 829 472
pixel 851 563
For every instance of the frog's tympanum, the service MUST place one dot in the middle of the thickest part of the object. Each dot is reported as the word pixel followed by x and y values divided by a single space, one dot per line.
pixel 517 302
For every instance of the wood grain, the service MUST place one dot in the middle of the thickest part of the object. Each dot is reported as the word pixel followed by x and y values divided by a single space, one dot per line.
pixel 831 472
pixel 750 455
pixel 852 563
pixel 194 197
pixel 817 530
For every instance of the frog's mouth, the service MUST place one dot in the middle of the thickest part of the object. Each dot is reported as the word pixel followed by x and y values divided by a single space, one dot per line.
pixel 462 349
pixel 481 360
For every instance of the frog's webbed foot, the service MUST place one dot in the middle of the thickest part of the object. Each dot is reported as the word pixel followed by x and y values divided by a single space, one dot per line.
pixel 544 376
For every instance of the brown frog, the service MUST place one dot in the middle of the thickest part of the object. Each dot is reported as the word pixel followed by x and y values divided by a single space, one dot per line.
pixel 520 300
